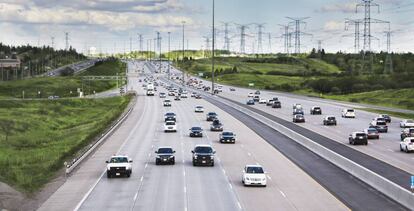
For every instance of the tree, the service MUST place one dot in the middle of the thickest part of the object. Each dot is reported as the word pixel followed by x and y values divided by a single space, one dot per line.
pixel 6 126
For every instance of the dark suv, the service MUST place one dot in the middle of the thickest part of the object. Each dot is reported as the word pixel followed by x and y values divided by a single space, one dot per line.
pixel 211 116
pixel 170 116
pixel 358 138
pixel 165 155
pixel 196 132
pixel 227 137
pixel 315 110
pixel 203 155
pixel 216 125
pixel 276 104
pixel 329 120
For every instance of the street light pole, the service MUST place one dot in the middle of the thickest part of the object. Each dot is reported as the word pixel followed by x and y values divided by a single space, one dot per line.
pixel 212 56
pixel 183 55
pixel 169 51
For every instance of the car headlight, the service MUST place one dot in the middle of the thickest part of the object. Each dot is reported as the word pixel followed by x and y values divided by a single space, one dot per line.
pixel 158 156
pixel 171 156
pixel 195 156
pixel 108 168
pixel 211 157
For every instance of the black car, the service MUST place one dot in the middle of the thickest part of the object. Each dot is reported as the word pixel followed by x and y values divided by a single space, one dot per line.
pixel 329 120
pixel 170 116
pixel 298 118
pixel 232 89
pixel 250 102
pixel 203 155
pixel 276 104
pixel 358 138
pixel 257 92
pixel 227 137
pixel 315 110
pixel 196 132
pixel 211 116
pixel 165 155
pixel 216 125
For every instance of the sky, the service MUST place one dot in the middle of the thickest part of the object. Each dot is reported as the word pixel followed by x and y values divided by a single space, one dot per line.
pixel 113 25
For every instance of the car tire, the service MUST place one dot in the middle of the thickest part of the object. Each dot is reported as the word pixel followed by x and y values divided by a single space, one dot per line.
pixel 194 164
pixel 212 164
pixel 108 175
pixel 401 149
pixel 406 149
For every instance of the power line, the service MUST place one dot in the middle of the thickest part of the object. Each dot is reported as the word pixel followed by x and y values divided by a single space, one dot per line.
pixel 297 22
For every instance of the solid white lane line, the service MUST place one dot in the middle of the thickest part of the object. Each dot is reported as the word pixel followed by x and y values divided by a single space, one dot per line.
pixel 146 165
pixel 283 194
pixel 239 205
pixel 269 177
pixel 135 196
pixel 249 154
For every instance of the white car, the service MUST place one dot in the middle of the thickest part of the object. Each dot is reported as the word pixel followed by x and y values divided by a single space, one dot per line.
pixel 262 101
pixel 167 103
pixel 199 109
pixel 297 106
pixel 407 145
pixel 348 113
pixel 170 126
pixel 250 94
pixel 119 165
pixel 254 175
pixel 407 123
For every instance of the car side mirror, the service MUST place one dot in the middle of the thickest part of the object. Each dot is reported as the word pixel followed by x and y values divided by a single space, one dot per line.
pixel 214 152
pixel 192 151
pixel 174 151
pixel 156 152
pixel 106 161
pixel 130 161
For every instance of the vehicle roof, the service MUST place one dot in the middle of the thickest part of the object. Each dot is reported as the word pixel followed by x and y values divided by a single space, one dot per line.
pixel 253 165
pixel 119 156
pixel 203 145
pixel 163 147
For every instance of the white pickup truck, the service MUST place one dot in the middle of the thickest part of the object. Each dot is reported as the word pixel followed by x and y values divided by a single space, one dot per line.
pixel 119 165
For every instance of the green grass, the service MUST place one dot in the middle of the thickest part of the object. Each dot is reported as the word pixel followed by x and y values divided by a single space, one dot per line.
pixel 62 86
pixel 44 133
pixel 400 98
pixel 270 82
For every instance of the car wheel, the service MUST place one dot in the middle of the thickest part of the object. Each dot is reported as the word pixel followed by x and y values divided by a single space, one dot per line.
pixel 406 149
pixel 212 164
pixel 157 163
pixel 108 175
pixel 129 174
pixel 194 164
pixel 401 149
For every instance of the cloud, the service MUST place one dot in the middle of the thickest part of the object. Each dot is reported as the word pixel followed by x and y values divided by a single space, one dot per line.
pixel 333 26
pixel 14 13
pixel 338 7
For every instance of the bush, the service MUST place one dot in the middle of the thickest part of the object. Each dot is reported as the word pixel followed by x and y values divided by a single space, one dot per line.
pixel 68 71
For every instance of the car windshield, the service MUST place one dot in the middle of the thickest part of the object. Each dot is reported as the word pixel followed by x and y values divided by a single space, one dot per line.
pixel 165 150
pixel 196 128
pixel 212 114
pixel 360 134
pixel 350 110
pixel 119 160
pixel 316 108
pixel 372 130
pixel 203 150
pixel 199 107
pixel 331 118
pixel 167 101
pixel 254 170
pixel 170 123
pixel 227 133
pixel 169 114
pixel 410 121
pixel 381 123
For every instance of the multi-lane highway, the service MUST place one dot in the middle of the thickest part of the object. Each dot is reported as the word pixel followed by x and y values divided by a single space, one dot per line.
pixel 182 186
pixel 297 179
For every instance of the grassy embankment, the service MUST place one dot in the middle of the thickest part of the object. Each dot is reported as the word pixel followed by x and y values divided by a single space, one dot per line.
pixel 62 86
pixel 37 136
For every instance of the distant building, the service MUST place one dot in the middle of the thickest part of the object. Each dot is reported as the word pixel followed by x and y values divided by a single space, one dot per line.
pixel 10 63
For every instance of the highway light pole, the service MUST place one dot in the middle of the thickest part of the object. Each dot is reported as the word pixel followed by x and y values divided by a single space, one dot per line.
pixel 183 55
pixel 212 56
pixel 169 50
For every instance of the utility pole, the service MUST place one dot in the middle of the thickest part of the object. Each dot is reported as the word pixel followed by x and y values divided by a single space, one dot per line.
pixel 298 33
pixel 159 49
pixel 169 52
pixel 212 54
pixel 183 22
pixel 140 42
pixel 270 43
pixel 319 45
pixel 243 35
pixel 357 35
pixel 286 36
pixel 388 66
pixel 67 41
pixel 226 37
pixel 260 27
pixel 130 45
pixel 207 48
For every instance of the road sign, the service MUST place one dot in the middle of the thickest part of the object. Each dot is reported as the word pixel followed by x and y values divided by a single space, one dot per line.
pixel 200 74
pixel 251 84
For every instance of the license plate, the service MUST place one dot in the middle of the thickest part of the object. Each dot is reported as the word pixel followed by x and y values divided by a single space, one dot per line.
pixel 117 174
pixel 203 161
pixel 165 159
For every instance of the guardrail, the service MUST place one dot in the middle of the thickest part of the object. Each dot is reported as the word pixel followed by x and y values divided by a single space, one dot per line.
pixel 390 189
pixel 76 161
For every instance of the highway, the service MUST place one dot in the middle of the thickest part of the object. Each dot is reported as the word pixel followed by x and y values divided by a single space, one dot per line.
pixel 385 149
pixel 182 186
